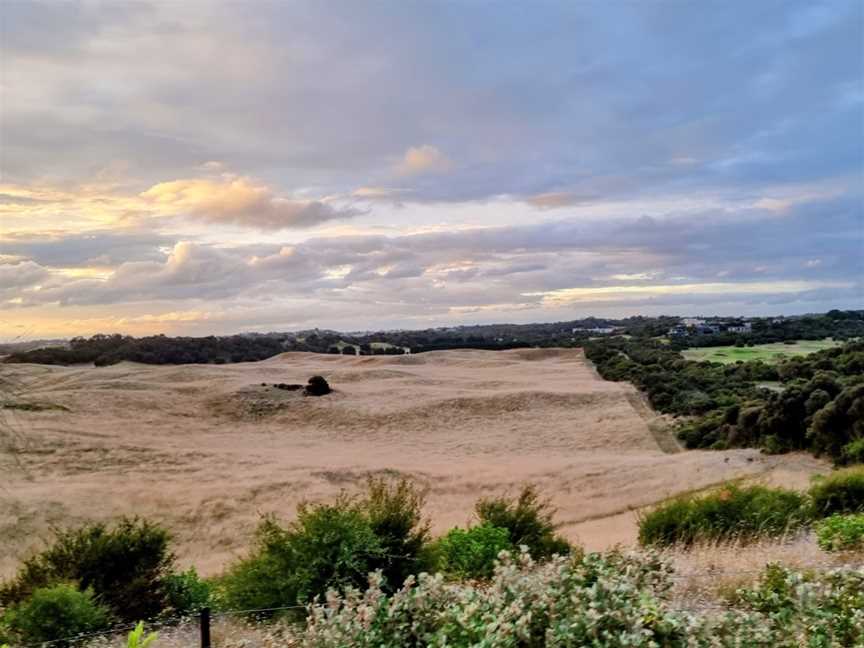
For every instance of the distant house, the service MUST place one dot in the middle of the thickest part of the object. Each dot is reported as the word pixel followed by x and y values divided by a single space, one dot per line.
pixel 596 330
pixel 693 326
pixel 744 328
pixel 708 329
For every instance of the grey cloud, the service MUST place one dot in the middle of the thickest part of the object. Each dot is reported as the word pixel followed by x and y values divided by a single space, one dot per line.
pixel 23 274
pixel 98 247
pixel 503 265
pixel 543 106
pixel 529 102
pixel 276 215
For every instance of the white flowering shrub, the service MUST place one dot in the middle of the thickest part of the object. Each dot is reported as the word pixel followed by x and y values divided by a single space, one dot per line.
pixel 600 601
pixel 608 601
pixel 788 609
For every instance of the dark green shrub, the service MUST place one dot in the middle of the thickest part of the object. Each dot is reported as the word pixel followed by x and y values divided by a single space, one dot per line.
pixel 55 613
pixel 772 444
pixel 528 519
pixel 728 512
pixel 186 592
pixel 693 401
pixel 395 513
pixel 838 423
pixel 264 579
pixel 471 553
pixel 703 432
pixel 333 546
pixel 317 386
pixel 328 546
pixel 853 453
pixel 125 565
pixel 840 492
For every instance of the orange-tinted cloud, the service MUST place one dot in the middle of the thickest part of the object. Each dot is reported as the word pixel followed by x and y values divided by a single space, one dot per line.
pixel 240 201
pixel 425 159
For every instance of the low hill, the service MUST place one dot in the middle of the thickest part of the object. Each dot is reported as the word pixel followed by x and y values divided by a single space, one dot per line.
pixel 206 449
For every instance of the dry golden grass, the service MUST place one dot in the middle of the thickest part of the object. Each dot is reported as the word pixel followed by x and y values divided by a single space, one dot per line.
pixel 708 573
pixel 205 449
pixel 226 632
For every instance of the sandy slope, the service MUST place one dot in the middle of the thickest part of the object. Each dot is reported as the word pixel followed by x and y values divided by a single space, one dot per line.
pixel 206 449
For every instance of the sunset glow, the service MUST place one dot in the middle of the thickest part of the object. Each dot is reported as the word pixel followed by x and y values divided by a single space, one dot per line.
pixel 196 170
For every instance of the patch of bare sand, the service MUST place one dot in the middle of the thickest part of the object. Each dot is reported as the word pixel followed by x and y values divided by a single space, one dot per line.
pixel 206 449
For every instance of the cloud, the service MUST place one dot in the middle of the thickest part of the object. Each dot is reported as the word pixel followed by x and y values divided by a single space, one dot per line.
pixel 380 193
pixel 555 199
pixel 20 275
pixel 741 89
pixel 241 201
pixel 565 296
pixel 714 140
pixel 625 262
pixel 103 247
pixel 425 159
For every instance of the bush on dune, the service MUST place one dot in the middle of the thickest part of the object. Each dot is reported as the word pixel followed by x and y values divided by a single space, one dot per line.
pixel 729 512
pixel 840 492
pixel 125 565
pixel 331 546
pixel 317 386
pixel 528 519
pixel 53 614
pixel 395 512
pixel 261 580
pixel 186 592
pixel 470 553
pixel 328 546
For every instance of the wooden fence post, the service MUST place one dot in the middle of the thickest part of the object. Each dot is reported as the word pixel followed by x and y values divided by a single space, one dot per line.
pixel 205 627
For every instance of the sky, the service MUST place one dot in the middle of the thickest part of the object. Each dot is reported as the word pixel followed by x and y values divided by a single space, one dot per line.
pixel 196 168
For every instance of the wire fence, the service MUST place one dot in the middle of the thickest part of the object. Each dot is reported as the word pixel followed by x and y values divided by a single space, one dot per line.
pixel 204 616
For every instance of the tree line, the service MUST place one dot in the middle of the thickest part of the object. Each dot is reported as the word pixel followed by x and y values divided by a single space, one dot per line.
pixel 103 350
pixel 160 349
pixel 818 404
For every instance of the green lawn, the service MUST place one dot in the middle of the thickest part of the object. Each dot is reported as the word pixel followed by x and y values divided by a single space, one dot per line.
pixel 771 353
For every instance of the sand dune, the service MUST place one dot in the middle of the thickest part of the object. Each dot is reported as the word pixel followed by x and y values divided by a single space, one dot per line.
pixel 207 449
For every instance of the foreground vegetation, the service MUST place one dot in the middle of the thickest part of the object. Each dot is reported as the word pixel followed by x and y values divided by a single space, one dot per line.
pixel 604 600
pixel 100 574
pixel 820 406
pixel 364 570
